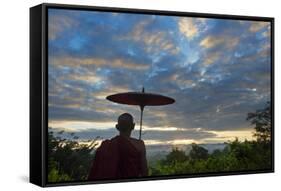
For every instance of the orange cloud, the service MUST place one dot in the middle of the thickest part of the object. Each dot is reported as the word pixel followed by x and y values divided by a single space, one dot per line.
pixel 213 41
pixel 153 41
pixel 188 27
pixel 257 26
pixel 211 58
pixel 115 63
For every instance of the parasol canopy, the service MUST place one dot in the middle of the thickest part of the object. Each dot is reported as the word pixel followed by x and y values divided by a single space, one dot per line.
pixel 141 99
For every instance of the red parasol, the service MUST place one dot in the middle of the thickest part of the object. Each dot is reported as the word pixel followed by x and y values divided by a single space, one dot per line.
pixel 141 99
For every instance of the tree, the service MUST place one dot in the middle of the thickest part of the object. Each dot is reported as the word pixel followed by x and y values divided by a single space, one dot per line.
pixel 262 121
pixel 175 155
pixel 198 152
pixel 67 158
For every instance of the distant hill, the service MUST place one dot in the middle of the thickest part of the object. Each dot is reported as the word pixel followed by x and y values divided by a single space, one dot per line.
pixel 157 152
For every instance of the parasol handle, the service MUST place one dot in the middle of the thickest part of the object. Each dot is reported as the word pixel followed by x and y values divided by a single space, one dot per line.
pixel 141 107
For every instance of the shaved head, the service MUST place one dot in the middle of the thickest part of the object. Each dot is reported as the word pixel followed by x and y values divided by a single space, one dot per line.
pixel 125 118
pixel 125 122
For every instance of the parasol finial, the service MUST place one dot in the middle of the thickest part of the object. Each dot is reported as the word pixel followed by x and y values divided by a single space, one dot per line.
pixel 142 90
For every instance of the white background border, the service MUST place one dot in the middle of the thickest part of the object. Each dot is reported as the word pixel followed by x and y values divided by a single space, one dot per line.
pixel 14 95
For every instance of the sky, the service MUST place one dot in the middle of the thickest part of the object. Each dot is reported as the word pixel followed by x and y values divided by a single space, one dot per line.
pixel 217 70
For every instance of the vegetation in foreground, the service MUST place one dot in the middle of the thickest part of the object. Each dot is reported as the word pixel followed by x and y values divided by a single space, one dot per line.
pixel 70 161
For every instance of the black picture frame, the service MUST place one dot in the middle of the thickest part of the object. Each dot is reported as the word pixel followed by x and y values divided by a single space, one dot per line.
pixel 39 89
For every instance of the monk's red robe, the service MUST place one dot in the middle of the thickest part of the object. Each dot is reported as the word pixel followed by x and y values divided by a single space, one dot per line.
pixel 118 158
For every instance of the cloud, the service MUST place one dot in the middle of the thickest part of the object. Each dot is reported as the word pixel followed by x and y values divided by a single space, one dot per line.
pixel 190 27
pixel 153 41
pixel 266 33
pixel 216 70
pixel 57 24
pixel 211 58
pixel 152 137
pixel 110 91
pixel 162 136
pixel 258 25
pixel 99 62
pixel 89 78
pixel 213 41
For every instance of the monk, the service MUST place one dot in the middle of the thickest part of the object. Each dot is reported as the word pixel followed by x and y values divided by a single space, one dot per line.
pixel 122 156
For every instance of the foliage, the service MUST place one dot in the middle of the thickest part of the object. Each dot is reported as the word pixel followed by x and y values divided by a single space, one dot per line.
pixel 176 155
pixel 238 156
pixel 67 159
pixel 198 152
pixel 262 121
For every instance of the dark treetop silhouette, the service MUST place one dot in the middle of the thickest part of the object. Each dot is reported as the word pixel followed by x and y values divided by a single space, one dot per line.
pixel 121 156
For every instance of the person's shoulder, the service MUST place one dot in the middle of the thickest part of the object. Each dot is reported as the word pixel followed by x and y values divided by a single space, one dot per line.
pixel 114 138
pixel 103 144
pixel 139 142
pixel 106 143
